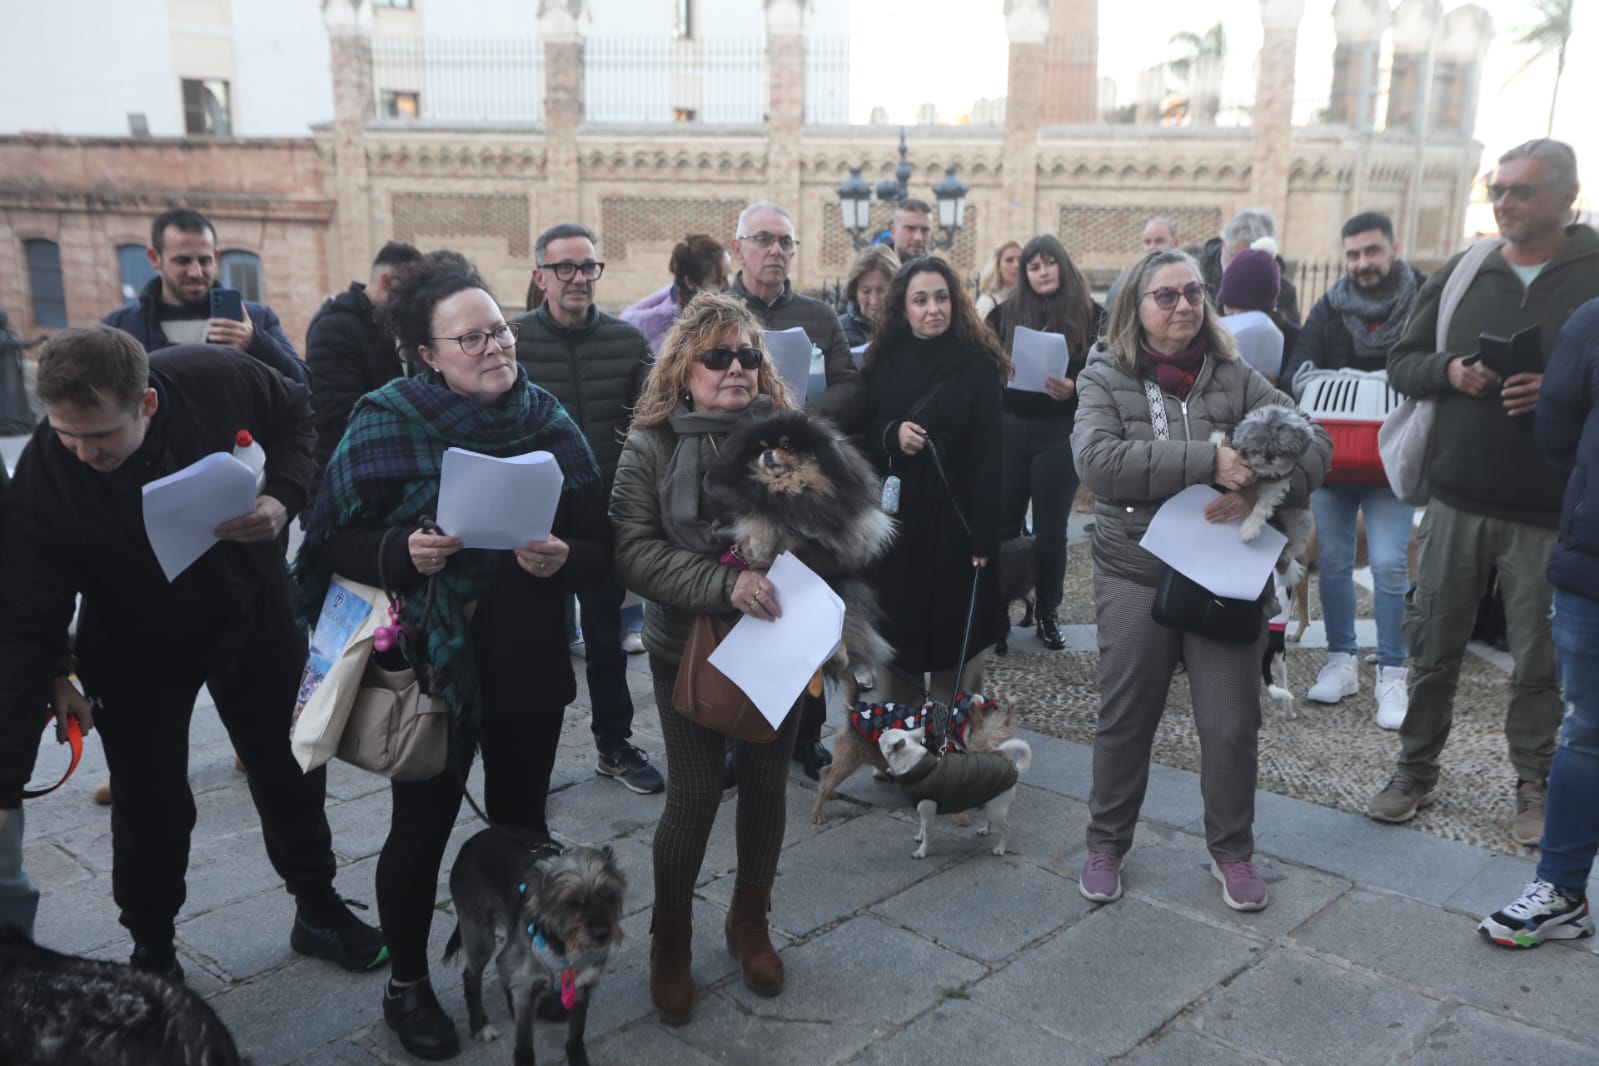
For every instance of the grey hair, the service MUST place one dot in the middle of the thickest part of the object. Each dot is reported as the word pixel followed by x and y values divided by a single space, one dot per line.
pixel 1171 227
pixel 1248 226
pixel 761 205
pixel 1124 330
pixel 561 232
pixel 1559 157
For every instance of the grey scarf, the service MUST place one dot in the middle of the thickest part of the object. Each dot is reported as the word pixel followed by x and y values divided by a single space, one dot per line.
pixel 683 513
pixel 1358 313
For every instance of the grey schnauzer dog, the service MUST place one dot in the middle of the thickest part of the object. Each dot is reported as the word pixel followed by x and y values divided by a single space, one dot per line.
pixel 561 913
pixel 1271 439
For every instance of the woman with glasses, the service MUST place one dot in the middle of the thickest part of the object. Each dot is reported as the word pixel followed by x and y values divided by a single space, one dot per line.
pixel 1052 297
pixel 711 375
pixel 866 292
pixel 1166 378
pixel 698 264
pixel 495 634
pixel 934 378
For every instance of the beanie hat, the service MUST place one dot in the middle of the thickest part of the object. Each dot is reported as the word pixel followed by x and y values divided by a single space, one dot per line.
pixel 1251 282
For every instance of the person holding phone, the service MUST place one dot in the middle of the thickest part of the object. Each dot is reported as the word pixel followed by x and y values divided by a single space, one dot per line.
pixel 183 303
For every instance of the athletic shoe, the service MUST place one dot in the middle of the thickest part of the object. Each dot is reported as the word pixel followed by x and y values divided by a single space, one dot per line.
pixel 633 643
pixel 328 929
pixel 161 959
pixel 1543 912
pixel 1400 799
pixel 1101 877
pixel 1528 826
pixel 1393 698
pixel 1338 679
pixel 632 768
pixel 1242 887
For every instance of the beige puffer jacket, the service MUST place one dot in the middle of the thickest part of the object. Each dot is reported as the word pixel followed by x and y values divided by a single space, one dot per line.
pixel 1131 473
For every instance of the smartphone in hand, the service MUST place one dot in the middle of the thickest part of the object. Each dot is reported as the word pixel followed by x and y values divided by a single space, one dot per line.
pixel 227 303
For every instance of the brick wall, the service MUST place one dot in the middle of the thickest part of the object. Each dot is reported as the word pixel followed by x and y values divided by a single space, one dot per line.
pixel 1095 234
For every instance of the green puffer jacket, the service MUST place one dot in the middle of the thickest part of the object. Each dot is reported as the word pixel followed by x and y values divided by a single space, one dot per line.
pixel 1131 473
pixel 958 781
pixel 1482 460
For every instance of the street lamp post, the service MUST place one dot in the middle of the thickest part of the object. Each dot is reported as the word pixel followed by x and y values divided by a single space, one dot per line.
pixel 855 200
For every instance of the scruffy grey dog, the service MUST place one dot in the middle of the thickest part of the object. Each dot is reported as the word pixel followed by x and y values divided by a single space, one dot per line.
pixel 58 1009
pixel 560 911
pixel 1271 440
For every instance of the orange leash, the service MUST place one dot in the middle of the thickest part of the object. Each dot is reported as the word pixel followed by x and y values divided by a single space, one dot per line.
pixel 75 739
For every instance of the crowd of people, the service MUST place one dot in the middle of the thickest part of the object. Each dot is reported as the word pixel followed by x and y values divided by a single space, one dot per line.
pixel 419 358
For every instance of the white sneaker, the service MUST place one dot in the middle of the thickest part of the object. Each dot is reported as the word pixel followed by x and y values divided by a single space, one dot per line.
pixel 1393 696
pixel 1339 678
pixel 633 642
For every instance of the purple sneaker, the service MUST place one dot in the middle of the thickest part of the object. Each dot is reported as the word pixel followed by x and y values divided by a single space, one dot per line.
pixel 1242 887
pixel 1101 878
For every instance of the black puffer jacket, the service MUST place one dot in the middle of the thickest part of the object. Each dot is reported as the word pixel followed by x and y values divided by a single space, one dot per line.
pixel 349 356
pixel 270 344
pixel 596 370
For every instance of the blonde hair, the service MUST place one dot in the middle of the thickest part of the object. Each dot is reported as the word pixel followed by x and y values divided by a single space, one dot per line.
pixel 709 320
pixel 992 282
pixel 1124 330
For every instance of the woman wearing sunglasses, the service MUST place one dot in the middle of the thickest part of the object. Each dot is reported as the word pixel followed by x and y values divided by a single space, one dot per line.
pixel 1167 377
pixel 502 665
pixel 711 375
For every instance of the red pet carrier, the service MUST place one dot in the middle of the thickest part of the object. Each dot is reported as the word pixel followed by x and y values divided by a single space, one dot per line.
pixel 1350 405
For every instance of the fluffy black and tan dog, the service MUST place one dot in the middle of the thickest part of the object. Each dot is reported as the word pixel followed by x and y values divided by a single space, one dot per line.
pixel 561 913
pixel 1018 580
pixel 61 1009
pixel 792 482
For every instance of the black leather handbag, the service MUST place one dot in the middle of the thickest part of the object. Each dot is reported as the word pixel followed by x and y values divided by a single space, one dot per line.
pixel 1182 603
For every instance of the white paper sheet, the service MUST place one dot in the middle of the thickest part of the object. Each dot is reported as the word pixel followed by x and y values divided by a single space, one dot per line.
pixel 790 350
pixel 182 510
pixel 858 353
pixel 1211 553
pixel 772 661
pixel 1037 355
pixel 1260 342
pixel 498 503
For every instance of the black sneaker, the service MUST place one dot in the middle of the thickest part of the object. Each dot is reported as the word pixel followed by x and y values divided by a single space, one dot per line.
pixel 161 960
pixel 632 768
pixel 1049 633
pixel 327 930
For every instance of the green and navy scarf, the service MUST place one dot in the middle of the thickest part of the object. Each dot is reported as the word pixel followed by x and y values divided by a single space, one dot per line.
pixel 385 472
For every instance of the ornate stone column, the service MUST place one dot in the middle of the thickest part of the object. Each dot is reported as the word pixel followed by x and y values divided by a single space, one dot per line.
pixel 349 24
pixel 785 104
pixel 1274 109
pixel 1027 26
pixel 563 25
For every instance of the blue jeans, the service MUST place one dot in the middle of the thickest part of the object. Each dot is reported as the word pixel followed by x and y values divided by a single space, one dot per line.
pixel 1388 524
pixel 1038 466
pixel 1571 817
pixel 19 901
pixel 611 714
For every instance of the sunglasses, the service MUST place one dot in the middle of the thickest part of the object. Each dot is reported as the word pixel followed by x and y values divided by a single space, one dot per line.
pixel 1166 298
pixel 722 358
pixel 1522 191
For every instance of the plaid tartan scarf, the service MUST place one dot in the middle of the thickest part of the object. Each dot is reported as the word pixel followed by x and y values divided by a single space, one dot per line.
pixel 385 472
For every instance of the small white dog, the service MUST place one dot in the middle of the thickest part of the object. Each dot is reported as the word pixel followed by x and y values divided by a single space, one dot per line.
pixel 956 782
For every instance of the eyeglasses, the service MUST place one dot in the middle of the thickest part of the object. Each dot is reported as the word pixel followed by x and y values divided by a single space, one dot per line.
pixel 1166 298
pixel 476 343
pixel 566 269
pixel 722 358
pixel 1522 190
pixel 766 240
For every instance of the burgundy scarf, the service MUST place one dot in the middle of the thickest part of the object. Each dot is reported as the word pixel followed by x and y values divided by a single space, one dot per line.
pixel 1176 373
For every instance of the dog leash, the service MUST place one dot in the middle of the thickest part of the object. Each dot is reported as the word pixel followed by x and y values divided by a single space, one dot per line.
pixel 75 741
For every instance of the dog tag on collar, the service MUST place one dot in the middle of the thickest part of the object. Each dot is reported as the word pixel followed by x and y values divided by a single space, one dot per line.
pixel 568 989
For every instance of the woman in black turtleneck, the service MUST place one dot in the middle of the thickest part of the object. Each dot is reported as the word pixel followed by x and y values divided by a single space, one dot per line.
pixel 1051 296
pixel 934 381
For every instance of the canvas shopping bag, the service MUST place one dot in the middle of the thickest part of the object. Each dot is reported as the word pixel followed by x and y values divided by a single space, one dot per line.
pixel 340 648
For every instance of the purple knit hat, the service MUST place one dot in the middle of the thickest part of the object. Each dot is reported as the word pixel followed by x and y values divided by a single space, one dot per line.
pixel 1251 282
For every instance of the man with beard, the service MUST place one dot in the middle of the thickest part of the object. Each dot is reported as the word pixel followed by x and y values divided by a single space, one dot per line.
pixel 1495 499
pixel 1353 327
pixel 175 307
pixel 912 229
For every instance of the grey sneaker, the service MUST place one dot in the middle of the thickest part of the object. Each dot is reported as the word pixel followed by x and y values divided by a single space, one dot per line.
pixel 1400 800
pixel 1528 826
pixel 632 768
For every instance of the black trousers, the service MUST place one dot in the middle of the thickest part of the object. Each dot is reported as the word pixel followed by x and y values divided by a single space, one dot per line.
pixel 147 686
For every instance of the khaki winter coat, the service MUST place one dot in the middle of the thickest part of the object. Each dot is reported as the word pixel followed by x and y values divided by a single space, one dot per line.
pixel 1131 473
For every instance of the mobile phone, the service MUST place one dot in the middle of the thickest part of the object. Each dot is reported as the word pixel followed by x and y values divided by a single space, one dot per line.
pixel 227 303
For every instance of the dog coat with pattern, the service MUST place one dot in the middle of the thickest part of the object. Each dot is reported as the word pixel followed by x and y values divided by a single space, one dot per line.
pixel 871 719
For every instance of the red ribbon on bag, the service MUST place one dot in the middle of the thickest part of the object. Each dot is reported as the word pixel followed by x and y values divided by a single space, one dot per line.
pixel 75 741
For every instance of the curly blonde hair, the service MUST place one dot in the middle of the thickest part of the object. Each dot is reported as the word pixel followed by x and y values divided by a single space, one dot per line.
pixel 710 320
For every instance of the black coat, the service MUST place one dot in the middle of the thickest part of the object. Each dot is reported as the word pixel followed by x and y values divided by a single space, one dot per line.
pixel 270 344
pixel 1567 428
pixel 925 580
pixel 348 356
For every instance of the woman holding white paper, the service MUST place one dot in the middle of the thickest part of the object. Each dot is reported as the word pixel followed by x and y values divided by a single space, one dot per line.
pixel 1167 376
pixel 711 375
pixel 496 634
pixel 1051 296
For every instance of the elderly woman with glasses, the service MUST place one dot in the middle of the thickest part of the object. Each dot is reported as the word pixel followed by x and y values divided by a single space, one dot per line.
pixel 496 632
pixel 1168 376
pixel 711 375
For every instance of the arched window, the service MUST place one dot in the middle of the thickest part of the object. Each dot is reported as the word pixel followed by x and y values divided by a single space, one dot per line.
pixel 242 271
pixel 44 282
pixel 134 263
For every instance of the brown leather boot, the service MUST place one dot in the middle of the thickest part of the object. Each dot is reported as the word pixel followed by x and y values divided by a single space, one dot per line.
pixel 749 941
pixel 671 956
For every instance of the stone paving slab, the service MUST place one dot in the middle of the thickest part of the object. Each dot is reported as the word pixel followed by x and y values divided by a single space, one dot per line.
pixel 1470 1035
pixel 959 1030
